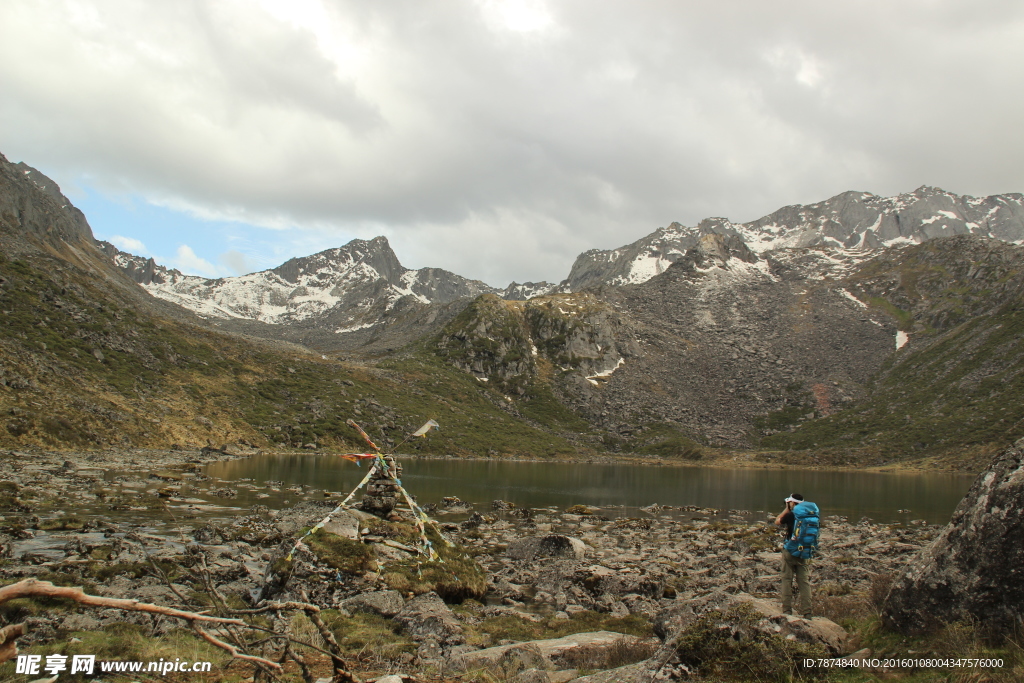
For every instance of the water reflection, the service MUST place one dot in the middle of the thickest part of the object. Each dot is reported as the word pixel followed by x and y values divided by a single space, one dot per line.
pixel 880 496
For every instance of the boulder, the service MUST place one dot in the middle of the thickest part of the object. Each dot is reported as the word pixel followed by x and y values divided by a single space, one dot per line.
pixel 426 616
pixel 545 654
pixel 742 629
pixel 552 545
pixel 79 622
pixel 816 631
pixel 974 569
pixel 541 676
pixel 343 523
pixel 632 673
pixel 384 603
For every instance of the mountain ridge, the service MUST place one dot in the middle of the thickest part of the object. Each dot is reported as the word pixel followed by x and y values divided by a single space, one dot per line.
pixel 827 354
pixel 366 274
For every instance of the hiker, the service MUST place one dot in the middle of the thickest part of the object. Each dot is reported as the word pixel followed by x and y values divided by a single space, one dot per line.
pixel 800 519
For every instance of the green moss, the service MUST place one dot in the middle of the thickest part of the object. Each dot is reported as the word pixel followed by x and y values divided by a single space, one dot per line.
pixel 740 652
pixel 62 524
pixel 353 557
pixel 362 632
pixel 102 571
pixel 510 627
pixel 455 576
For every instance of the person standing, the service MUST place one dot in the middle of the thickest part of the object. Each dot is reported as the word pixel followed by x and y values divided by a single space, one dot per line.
pixel 794 566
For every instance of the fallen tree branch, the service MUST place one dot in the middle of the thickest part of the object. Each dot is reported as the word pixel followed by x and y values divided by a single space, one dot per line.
pixel 232 650
pixel 35 588
pixel 278 606
pixel 8 641
pixel 341 672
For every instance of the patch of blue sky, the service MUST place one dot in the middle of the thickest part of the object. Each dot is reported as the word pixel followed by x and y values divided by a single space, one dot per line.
pixel 193 245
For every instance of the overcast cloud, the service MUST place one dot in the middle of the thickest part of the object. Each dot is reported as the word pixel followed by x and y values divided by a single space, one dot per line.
pixel 499 139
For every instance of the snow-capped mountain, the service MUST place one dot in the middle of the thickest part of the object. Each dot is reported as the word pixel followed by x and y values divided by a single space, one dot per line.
pixel 852 220
pixel 351 288
pixel 340 284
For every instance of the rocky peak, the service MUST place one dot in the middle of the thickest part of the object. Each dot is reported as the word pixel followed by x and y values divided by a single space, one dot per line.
pixel 850 221
pixel 33 207
pixel 527 290
pixel 345 289
pixel 144 271
pixel 720 248
pixel 376 255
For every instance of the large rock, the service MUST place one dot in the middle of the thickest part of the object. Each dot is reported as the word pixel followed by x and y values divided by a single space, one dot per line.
pixel 427 617
pixel 697 648
pixel 344 523
pixel 816 631
pixel 974 569
pixel 550 653
pixel 384 603
pixel 552 545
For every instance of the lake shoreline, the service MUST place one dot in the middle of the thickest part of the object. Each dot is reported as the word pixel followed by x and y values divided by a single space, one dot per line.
pixel 160 458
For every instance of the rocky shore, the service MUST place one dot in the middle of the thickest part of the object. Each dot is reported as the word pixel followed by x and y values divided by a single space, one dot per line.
pixel 536 594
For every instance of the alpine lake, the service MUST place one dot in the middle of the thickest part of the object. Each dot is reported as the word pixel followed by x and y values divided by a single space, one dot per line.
pixel 226 489
pixel 616 489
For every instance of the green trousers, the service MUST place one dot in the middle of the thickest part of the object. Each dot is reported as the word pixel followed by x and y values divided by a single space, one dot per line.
pixel 795 566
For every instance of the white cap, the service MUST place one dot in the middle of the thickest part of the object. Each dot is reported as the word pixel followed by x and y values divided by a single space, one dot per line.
pixel 791 499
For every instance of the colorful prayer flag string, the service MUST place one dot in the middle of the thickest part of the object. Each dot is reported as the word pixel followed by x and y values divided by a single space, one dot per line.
pixel 381 464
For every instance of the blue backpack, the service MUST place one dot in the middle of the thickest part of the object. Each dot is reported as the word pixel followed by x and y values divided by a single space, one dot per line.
pixel 804 541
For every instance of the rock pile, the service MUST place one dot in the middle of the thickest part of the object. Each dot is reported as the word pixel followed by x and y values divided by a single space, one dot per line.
pixel 550 571
pixel 382 494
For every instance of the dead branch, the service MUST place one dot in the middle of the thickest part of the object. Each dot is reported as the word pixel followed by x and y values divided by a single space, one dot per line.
pixel 341 672
pixel 232 650
pixel 36 588
pixel 278 606
pixel 307 675
pixel 8 641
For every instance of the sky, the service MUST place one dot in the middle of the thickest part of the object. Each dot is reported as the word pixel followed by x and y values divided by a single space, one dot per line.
pixel 495 138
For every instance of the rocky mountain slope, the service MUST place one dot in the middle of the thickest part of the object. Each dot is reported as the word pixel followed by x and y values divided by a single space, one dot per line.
pixel 694 355
pixel 835 352
pixel 358 286
pixel 957 383
pixel 88 360
pixel 852 220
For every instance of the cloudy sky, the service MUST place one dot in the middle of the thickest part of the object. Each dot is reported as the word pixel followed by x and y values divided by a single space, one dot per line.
pixel 495 138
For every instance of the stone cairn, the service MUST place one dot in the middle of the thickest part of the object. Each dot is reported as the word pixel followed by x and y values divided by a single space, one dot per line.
pixel 382 494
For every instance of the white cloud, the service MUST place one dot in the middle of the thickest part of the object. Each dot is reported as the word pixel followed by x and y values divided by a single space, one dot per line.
pixel 236 261
pixel 129 244
pixel 522 16
pixel 189 263
pixel 592 123
pixel 805 68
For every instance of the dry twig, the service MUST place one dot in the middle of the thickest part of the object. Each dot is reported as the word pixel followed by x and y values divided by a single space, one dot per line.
pixel 31 588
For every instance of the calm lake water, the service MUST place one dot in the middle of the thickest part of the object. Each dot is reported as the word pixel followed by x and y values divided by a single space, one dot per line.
pixel 879 496
pixel 617 489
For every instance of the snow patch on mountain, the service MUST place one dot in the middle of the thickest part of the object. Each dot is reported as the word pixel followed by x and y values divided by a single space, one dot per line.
pixel 849 221
pixel 360 275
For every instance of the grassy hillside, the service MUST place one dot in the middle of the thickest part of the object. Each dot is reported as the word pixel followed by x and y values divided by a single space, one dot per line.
pixel 84 364
pixel 84 368
pixel 956 392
